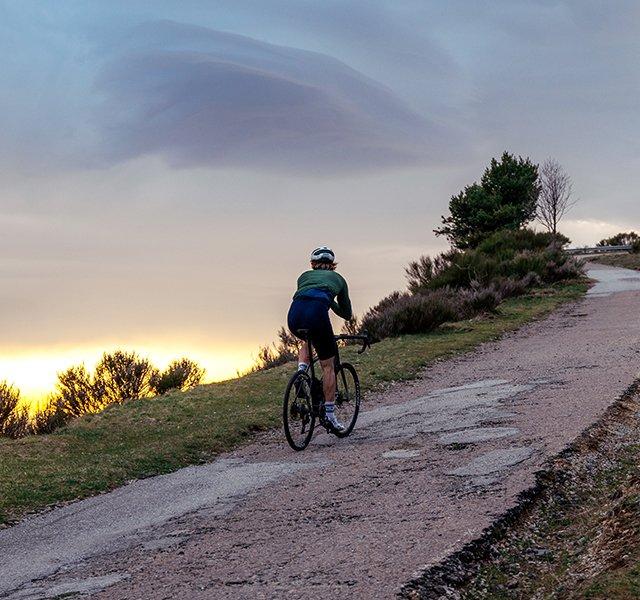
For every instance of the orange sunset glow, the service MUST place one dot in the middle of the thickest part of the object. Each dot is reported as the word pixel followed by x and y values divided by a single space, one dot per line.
pixel 35 372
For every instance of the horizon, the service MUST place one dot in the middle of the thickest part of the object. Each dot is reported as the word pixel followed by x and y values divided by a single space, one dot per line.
pixel 162 163
pixel 222 365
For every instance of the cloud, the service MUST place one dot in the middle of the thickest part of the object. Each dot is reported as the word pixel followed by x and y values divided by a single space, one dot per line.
pixel 201 97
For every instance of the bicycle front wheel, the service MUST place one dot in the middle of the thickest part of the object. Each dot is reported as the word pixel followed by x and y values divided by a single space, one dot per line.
pixel 298 417
pixel 347 398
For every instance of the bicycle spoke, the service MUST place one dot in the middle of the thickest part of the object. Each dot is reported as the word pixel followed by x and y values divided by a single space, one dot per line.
pixel 297 412
pixel 347 397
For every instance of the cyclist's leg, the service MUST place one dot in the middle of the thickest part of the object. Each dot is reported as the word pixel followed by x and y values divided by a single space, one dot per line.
pixel 329 379
pixel 297 319
pixel 327 349
pixel 303 354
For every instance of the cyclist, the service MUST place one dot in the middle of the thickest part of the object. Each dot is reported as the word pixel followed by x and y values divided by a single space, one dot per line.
pixel 317 292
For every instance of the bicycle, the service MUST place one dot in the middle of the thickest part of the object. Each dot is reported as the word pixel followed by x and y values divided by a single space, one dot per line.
pixel 304 399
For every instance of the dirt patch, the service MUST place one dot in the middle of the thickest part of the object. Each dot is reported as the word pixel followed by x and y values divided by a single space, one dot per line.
pixel 574 534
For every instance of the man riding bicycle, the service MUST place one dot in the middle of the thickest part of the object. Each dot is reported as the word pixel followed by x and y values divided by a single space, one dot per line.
pixel 318 290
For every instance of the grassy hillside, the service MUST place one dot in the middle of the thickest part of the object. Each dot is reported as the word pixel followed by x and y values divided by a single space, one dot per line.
pixel 627 261
pixel 148 437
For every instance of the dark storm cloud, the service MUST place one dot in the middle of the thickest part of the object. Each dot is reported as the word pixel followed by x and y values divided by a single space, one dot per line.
pixel 203 97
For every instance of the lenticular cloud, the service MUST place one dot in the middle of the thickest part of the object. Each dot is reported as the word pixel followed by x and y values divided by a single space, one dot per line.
pixel 201 97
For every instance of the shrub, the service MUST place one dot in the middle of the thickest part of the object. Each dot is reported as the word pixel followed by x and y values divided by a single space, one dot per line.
pixel 182 374
pixel 274 355
pixel 561 268
pixel 269 357
pixel 49 418
pixel 455 269
pixel 478 299
pixel 121 376
pixel 14 419
pixel 18 424
pixel 623 239
pixel 78 394
pixel 400 314
pixel 508 287
pixel 505 254
pixel 352 327
pixel 420 273
pixel 9 399
pixel 504 244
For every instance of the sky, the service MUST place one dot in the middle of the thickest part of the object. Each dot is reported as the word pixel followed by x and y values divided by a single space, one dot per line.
pixel 167 166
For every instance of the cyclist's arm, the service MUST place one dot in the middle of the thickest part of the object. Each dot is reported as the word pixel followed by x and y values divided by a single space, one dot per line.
pixel 343 306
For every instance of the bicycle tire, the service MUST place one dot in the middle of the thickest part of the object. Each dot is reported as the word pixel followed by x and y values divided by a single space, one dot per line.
pixel 353 396
pixel 296 405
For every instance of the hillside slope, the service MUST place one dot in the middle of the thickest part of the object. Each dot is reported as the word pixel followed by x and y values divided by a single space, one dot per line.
pixel 149 437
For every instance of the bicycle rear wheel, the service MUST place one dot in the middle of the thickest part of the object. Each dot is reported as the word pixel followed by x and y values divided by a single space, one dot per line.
pixel 298 417
pixel 347 398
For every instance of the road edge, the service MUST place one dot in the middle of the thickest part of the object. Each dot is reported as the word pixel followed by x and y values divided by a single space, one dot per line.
pixel 445 578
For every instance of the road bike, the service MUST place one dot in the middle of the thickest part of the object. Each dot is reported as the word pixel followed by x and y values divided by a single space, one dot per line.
pixel 304 398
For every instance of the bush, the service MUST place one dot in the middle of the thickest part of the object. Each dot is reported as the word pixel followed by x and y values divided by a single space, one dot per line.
pixel 422 272
pixel 623 239
pixel 351 327
pixel 504 244
pixel 460 284
pixel 508 287
pixel 18 425
pixel 78 394
pixel 14 419
pixel 181 374
pixel 478 299
pixel 561 268
pixel 49 418
pixel 505 254
pixel 403 313
pixel 9 399
pixel 274 355
pixel 121 376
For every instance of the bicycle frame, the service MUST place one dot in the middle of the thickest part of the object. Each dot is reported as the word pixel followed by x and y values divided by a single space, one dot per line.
pixel 366 343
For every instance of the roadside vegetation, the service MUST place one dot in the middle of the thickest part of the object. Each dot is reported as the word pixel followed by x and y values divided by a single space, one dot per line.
pixel 579 539
pixel 630 238
pixel 493 255
pixel 140 438
pixel 118 377
pixel 104 430
pixel 625 261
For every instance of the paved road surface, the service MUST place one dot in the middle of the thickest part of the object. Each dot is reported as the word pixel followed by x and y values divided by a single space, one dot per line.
pixel 430 465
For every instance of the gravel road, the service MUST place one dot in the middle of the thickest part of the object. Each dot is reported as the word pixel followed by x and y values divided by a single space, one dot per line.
pixel 431 464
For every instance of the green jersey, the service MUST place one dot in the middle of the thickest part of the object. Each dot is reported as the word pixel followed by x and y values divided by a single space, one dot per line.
pixel 329 282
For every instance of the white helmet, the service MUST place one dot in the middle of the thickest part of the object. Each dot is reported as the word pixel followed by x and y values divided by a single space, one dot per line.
pixel 323 254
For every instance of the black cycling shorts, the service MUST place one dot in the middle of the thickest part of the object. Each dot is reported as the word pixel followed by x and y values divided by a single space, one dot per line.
pixel 313 315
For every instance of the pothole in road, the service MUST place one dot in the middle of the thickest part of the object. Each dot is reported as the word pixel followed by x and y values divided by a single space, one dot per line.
pixel 473 436
pixel 496 460
pixel 401 454
pixel 90 585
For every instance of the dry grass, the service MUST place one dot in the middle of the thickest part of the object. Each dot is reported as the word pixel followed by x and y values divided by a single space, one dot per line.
pixel 626 261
